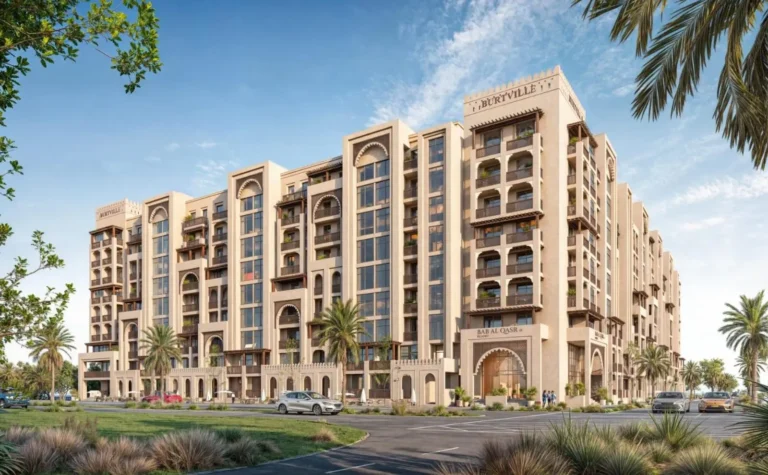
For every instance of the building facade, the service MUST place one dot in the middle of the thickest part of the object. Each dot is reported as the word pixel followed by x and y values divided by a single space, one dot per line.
pixel 497 253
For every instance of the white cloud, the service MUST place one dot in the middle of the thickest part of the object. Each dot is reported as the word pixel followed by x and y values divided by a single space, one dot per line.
pixel 152 158
pixel 172 147
pixel 493 37
pixel 703 224
pixel 623 90
pixel 748 186
pixel 210 173
pixel 206 144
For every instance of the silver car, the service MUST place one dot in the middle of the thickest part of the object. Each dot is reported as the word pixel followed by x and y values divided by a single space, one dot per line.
pixel 307 401
pixel 671 401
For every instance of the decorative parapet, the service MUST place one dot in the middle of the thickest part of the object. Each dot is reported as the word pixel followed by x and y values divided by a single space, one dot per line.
pixel 299 367
pixel 435 362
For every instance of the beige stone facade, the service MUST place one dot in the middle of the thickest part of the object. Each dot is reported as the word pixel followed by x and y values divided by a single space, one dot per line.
pixel 498 253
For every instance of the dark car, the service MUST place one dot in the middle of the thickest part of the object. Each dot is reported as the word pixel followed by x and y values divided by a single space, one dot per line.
pixel 10 399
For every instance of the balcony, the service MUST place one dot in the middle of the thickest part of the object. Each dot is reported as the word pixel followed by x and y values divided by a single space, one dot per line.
pixel 520 174
pixel 327 237
pixel 134 239
pixel 219 260
pixel 189 329
pixel 355 366
pixel 283 344
pixel 133 354
pixel 190 307
pixel 488 181
pixel 288 245
pixel 572 271
pixel 213 304
pixel 520 236
pixel 487 212
pixel 193 223
pixel 107 317
pixel 520 142
pixel 571 241
pixel 410 221
pixel 410 164
pixel 410 307
pixel 487 242
pixel 95 319
pixel 290 270
pixel 187 286
pixel 95 282
pixel 488 272
pixel 96 374
pixel 410 279
pixel 236 370
pixel 487 151
pixel 192 243
pixel 106 262
pixel 317 342
pixel 521 268
pixel 218 237
pixel 410 249
pixel 379 366
pixel 96 244
pixel 488 302
pixel 327 212
pixel 521 205
pixel 96 263
pixel 290 220
pixel 571 179
pixel 133 335
pixel 519 299
pixel 298 195
pixel 410 336
pixel 219 215
pixel 411 192
pixel 253 369
pixel 95 338
pixel 290 319
pixel 571 301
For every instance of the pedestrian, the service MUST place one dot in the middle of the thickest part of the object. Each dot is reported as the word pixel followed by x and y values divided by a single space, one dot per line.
pixel 544 398
pixel 553 397
pixel 549 398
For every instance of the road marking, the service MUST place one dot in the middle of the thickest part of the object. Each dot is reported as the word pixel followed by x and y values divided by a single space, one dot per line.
pixel 484 421
pixel 351 468
pixel 440 451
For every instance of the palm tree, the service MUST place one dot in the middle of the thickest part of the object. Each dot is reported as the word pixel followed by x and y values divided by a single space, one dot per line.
pixel 47 346
pixel 712 372
pixel 340 326
pixel 33 378
pixel 654 363
pixel 691 374
pixel 728 383
pixel 746 330
pixel 162 346
pixel 676 53
pixel 745 368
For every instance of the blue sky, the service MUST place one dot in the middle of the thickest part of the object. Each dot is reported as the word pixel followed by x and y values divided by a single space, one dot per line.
pixel 240 83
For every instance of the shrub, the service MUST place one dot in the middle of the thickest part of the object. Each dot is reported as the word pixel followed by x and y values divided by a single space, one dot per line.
pixel 230 434
pixel 476 407
pixel 125 447
pixel 192 407
pixel 562 405
pixel 625 460
pixel 268 447
pixel 496 406
pixel 524 455
pixel 634 432
pixel 218 407
pixel 144 405
pixel 577 409
pixel 188 450
pixel 18 435
pixel 53 408
pixel 9 463
pixel 499 392
pixel 585 454
pixel 439 410
pixel 658 452
pixel 175 406
pixel 347 410
pixel 511 408
pixel 37 457
pixel 157 405
pixel 607 434
pixel 121 457
pixel 244 451
pixel 65 442
pixel 399 408
pixel 704 460
pixel 639 404
pixel 324 435
pixel 86 428
pixel 676 432
pixel 593 409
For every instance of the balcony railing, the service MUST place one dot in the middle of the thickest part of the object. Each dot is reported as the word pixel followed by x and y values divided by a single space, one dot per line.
pixel 288 245
pixel 327 237
pixel 520 236
pixel 234 369
pixel 410 221
pixel 336 288
pixel 253 369
pixel 133 335
pixel 519 205
pixel 96 374
pixel 410 164
pixel 289 270
pixel 571 241
pixel 220 215
pixel 289 220
pixel 487 242
pixel 95 319
pixel 487 212
pixel 217 237
pixel 409 279
pixel 213 303
pixel 488 272
pixel 571 301
pixel 316 342
pixel 318 291
pixel 519 174
pixel 190 307
pixel 378 366
pixel 190 328
pixel 134 239
pixel 355 366
pixel 572 271
pixel 327 212
pixel 219 260
pixel 96 263
pixel 95 337
pixel 410 307
pixel 488 302
pixel 520 299
pixel 290 319
pixel 95 282
pixel 194 222
pixel 133 354
pixel 96 244
pixel 410 336
pixel 410 249
pixel 571 210
pixel 107 317
pixel 298 195
pixel 571 179
pixel 520 142
pixel 489 150
pixel 411 192
pixel 107 261
pixel 488 181
pixel 519 268
pixel 190 286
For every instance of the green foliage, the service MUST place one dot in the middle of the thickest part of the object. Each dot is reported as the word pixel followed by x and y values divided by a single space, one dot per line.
pixel 162 345
pixel 46 349
pixel 625 459
pixel 692 376
pixel 531 393
pixel 399 408
pixel 144 405
pixel 499 391
pixel 677 52
pixel 675 431
pixel 86 428
pixel 712 372
pixel 130 405
pixel 9 464
pixel 653 362
pixel 755 423
pixel 218 407
pixel 746 331
pixel 704 460
pixel 581 389
pixel 496 406
pixel 523 455
pixel 602 393
pixel 230 434
pixel 340 327
pixel 192 407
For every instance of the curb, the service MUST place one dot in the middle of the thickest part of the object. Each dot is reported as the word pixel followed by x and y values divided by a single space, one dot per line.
pixel 272 462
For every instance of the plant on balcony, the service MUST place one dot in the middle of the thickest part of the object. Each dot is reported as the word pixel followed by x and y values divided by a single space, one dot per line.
pixel 580 389
pixel 315 181
pixel 573 140
pixel 484 294
pixel 525 227
pixel 571 292
pixel 525 134
pixel 410 242
pixel 484 173
pixel 340 326
pixel 188 218
pixel 48 345
pixel 288 239
pixel 285 216
pixel 189 237
pixel 161 345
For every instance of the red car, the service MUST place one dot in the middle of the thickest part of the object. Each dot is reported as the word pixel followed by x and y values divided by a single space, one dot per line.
pixel 168 398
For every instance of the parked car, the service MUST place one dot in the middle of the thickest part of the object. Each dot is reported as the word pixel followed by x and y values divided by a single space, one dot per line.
pixel 8 398
pixel 307 401
pixel 716 401
pixel 168 398
pixel 671 401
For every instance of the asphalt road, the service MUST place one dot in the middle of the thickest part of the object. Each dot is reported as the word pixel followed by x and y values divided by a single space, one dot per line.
pixel 411 445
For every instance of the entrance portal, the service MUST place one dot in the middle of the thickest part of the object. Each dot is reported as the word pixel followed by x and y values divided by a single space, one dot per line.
pixel 500 369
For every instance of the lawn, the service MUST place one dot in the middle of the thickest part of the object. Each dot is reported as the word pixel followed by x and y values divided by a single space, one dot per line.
pixel 292 437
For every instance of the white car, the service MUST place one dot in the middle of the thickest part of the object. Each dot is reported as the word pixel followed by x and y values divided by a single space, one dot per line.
pixel 671 401
pixel 307 401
